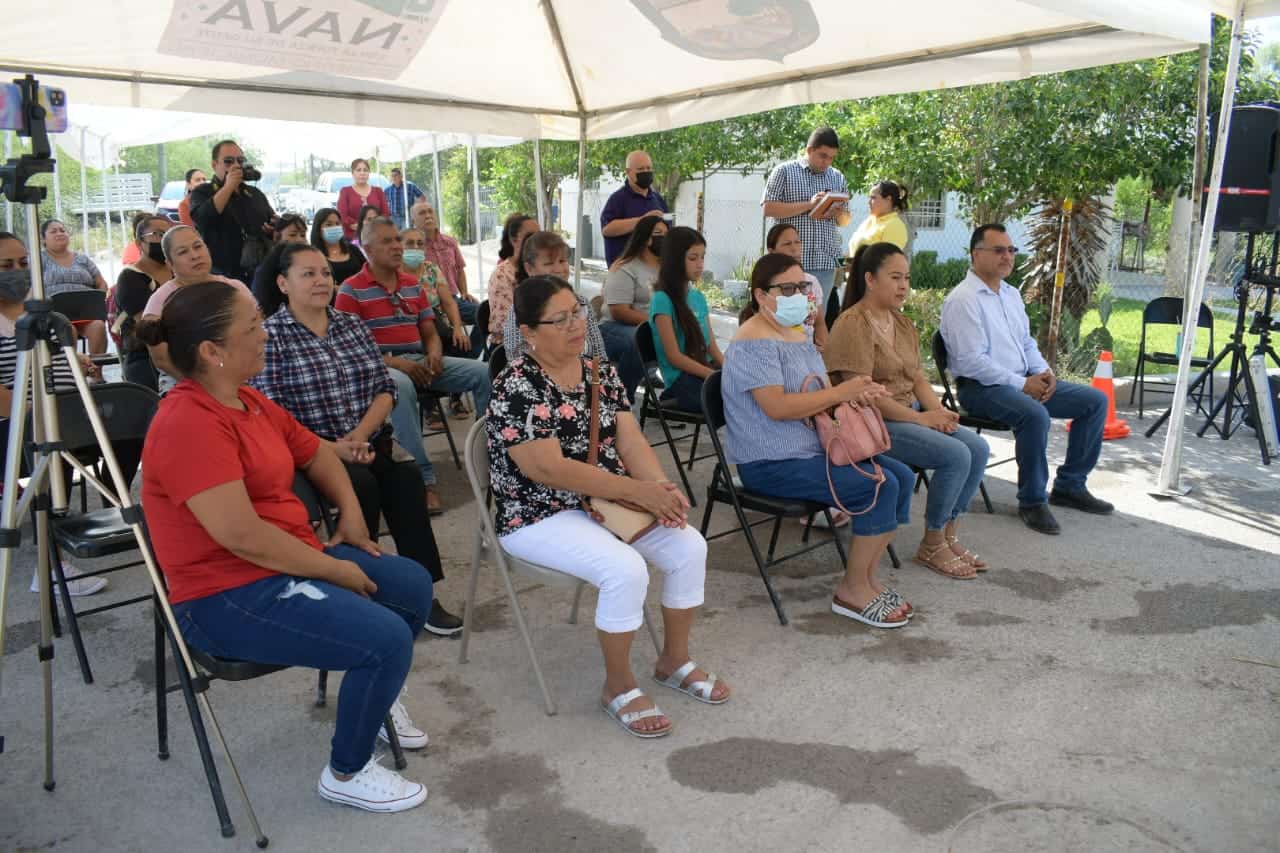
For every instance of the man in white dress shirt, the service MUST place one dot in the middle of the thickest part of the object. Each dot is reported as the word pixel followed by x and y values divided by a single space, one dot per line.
pixel 1001 375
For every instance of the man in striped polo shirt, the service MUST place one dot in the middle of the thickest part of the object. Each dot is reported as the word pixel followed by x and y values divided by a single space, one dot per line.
pixel 399 316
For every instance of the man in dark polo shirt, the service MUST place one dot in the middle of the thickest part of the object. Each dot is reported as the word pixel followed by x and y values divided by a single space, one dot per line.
pixel 229 213
pixel 633 201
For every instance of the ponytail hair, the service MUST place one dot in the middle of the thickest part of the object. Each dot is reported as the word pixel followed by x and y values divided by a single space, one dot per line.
pixel 866 261
pixel 762 273
pixel 194 314
pixel 895 192
pixel 674 282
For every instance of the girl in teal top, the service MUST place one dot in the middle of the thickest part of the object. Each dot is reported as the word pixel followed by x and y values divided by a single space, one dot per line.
pixel 687 351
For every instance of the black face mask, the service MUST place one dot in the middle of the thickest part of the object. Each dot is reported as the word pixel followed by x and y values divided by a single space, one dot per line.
pixel 655 245
pixel 15 284
pixel 644 180
pixel 155 252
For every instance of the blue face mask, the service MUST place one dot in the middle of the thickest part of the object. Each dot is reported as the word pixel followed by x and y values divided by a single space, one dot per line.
pixel 331 233
pixel 792 310
pixel 413 258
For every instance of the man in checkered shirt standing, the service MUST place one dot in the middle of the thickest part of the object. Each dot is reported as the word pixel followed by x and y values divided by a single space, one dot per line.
pixel 797 187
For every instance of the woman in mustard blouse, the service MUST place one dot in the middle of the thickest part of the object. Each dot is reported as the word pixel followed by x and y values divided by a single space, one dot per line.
pixel 872 337
pixel 885 202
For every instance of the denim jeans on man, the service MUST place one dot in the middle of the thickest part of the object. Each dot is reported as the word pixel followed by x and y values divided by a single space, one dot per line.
pixel 620 346
pixel 1030 420
pixel 461 376
pixel 302 622
pixel 406 425
pixel 955 463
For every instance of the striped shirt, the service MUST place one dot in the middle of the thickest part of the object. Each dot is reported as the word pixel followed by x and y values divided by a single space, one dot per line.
pixel 393 318
pixel 752 435
pixel 328 383
pixel 81 275
pixel 63 380
pixel 794 181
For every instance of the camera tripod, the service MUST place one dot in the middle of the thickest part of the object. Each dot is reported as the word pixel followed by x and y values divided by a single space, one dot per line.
pixel 41 332
pixel 1260 274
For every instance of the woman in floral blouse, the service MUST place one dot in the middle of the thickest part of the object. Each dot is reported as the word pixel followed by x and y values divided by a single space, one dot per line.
pixel 502 283
pixel 538 427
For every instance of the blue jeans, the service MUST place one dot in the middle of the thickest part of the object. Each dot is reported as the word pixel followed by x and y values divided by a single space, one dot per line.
pixel 406 425
pixel 303 622
pixel 686 391
pixel 461 376
pixel 1030 421
pixel 620 346
pixel 806 480
pixel 826 278
pixel 957 460
pixel 467 313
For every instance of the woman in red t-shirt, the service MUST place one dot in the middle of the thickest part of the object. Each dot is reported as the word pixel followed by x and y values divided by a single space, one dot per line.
pixel 247 576
pixel 358 195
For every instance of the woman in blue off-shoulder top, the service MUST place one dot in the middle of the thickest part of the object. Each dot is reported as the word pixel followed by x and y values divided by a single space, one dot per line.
pixel 776 450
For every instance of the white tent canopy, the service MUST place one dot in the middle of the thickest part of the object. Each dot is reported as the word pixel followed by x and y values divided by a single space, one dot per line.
pixel 562 69
pixel 122 127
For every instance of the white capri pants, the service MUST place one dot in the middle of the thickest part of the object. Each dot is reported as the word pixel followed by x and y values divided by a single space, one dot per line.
pixel 572 542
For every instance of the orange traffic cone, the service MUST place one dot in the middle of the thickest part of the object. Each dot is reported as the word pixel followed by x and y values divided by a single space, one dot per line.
pixel 1102 380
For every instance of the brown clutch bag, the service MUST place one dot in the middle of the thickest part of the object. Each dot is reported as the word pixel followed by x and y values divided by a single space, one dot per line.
pixel 624 521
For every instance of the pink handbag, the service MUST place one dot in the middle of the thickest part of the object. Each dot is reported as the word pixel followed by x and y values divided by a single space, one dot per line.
pixel 850 434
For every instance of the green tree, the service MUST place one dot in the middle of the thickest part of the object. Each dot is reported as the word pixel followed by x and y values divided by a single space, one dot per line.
pixel 180 155
pixel 510 173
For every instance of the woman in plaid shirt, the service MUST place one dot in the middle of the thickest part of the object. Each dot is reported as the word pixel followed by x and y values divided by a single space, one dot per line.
pixel 324 368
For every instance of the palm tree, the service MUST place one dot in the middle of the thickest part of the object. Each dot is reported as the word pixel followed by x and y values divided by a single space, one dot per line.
pixel 1089 234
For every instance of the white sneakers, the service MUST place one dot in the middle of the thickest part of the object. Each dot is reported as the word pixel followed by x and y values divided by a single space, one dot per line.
pixel 409 735
pixel 374 789
pixel 83 586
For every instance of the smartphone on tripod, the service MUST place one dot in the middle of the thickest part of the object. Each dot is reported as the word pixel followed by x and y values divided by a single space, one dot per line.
pixel 53 99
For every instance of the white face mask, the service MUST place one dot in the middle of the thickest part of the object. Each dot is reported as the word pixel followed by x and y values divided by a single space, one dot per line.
pixel 792 310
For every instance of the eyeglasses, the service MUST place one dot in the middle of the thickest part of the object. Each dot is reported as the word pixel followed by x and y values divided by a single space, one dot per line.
pixel 999 250
pixel 230 161
pixel 398 305
pixel 562 320
pixel 788 288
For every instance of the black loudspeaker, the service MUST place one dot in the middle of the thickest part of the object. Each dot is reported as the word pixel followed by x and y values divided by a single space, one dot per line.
pixel 1250 196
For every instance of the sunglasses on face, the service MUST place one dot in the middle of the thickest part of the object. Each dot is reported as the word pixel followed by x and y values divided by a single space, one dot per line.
pixel 231 161
pixel 786 288
pixel 562 320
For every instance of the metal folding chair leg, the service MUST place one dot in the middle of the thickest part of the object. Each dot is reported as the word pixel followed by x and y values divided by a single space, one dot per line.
pixel 468 607
pixel 528 641
pixel 986 499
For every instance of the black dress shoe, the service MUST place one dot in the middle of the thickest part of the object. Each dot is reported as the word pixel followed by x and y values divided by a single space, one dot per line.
pixel 1039 519
pixel 1082 501
pixel 441 622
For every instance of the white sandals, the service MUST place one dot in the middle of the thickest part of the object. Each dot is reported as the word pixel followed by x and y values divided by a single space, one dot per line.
pixel 614 710
pixel 701 690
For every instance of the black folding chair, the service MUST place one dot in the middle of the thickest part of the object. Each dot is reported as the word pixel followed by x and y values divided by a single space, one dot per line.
pixel 665 410
pixel 126 411
pixel 497 361
pixel 429 400
pixel 482 322
pixel 1167 311
pixel 726 488
pixel 213 668
pixel 975 423
pixel 81 307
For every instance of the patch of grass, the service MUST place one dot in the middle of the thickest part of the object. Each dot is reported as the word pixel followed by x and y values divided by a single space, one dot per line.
pixel 1126 328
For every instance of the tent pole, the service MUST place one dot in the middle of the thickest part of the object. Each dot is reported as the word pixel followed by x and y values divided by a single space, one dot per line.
pixel 1171 462
pixel 404 184
pixel 84 195
pixel 435 173
pixel 57 186
pixel 1197 174
pixel 8 205
pixel 582 191
pixel 537 183
pixel 124 228
pixel 106 197
pixel 475 195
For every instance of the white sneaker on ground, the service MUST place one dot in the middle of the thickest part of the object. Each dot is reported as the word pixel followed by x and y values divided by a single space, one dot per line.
pixel 374 789
pixel 411 737
pixel 83 586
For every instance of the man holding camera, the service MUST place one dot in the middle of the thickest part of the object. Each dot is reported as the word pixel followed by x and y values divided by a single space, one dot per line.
pixel 233 217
